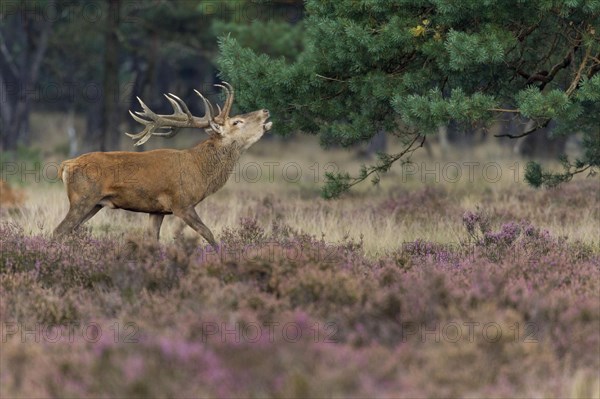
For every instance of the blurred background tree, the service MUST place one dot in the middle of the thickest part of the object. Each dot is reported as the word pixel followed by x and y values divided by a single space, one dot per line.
pixel 347 71
pixel 93 57
pixel 23 46
pixel 408 67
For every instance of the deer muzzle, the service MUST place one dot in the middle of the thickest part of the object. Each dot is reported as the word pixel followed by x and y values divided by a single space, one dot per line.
pixel 267 125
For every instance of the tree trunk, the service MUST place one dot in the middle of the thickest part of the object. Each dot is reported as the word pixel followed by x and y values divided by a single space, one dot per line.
pixel 110 111
pixel 15 118
pixel 93 136
pixel 5 116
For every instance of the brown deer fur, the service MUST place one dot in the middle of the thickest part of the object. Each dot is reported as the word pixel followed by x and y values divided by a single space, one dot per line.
pixel 159 182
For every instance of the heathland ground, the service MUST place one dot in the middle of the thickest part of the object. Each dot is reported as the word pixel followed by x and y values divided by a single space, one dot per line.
pixel 451 278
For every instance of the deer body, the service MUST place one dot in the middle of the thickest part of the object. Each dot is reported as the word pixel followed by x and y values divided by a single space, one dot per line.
pixel 161 182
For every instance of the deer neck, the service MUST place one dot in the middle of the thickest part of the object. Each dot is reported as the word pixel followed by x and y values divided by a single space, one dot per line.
pixel 215 162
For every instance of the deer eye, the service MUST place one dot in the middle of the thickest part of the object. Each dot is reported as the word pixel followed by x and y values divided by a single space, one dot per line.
pixel 236 123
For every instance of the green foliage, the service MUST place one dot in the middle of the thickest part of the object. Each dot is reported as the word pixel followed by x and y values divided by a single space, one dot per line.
pixel 275 38
pixel 553 104
pixel 486 47
pixel 336 184
pixel 537 177
pixel 433 109
pixel 589 89
pixel 409 66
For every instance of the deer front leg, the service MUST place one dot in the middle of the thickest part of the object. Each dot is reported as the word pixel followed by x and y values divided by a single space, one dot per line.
pixel 156 220
pixel 191 218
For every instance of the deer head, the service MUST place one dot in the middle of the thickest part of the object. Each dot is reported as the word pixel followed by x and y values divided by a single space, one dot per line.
pixel 244 129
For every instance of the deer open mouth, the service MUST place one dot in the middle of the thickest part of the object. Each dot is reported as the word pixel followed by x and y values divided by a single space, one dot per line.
pixel 267 126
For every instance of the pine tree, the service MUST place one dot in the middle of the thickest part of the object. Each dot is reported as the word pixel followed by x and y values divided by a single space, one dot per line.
pixel 409 66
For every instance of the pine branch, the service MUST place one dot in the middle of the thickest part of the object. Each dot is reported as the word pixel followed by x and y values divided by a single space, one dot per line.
pixel 546 77
pixel 561 65
pixel 341 182
pixel 537 177
pixel 515 111
pixel 595 68
pixel 328 78
pixel 526 133
pixel 577 78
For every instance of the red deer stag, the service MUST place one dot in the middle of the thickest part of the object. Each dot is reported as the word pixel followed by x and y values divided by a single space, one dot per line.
pixel 162 182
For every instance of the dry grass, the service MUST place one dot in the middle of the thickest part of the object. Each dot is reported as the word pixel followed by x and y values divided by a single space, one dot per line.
pixel 280 179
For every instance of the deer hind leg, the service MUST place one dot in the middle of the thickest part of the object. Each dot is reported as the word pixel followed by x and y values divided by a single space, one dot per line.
pixel 90 214
pixel 156 220
pixel 191 218
pixel 77 215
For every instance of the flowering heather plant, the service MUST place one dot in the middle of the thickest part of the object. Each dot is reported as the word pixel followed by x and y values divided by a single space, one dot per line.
pixel 250 232
pixel 444 253
pixel 476 223
pixel 280 313
pixel 516 239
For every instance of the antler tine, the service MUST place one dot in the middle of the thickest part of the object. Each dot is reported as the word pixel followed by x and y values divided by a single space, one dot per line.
pixel 224 88
pixel 181 104
pixel 147 111
pixel 208 105
pixel 229 86
pixel 142 121
pixel 174 103
pixel 224 114
pixel 168 125
pixel 169 133
pixel 229 103
pixel 145 134
pixel 209 114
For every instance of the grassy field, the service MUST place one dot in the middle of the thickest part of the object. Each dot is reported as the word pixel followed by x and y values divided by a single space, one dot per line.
pixel 452 278
pixel 278 180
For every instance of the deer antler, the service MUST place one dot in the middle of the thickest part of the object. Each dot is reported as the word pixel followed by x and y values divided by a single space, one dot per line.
pixel 224 114
pixel 169 125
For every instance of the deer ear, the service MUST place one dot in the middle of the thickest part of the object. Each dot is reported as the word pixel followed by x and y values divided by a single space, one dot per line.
pixel 216 128
pixel 211 132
